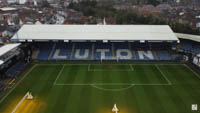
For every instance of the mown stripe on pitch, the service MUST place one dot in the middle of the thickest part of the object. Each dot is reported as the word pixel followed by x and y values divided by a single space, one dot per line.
pixel 150 93
pixel 173 92
pixel 52 97
pixel 165 98
pixel 176 94
pixel 71 106
pixel 84 102
pixel 65 90
pixel 62 95
pixel 41 89
pixel 71 77
pixel 96 101
pixel 108 99
pixel 141 97
pixel 131 95
pixel 128 103
pixel 189 89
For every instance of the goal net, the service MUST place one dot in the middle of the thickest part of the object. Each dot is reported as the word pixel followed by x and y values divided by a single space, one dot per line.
pixel 111 58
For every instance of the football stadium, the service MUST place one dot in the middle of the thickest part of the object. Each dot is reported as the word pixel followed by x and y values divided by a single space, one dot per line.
pixel 100 69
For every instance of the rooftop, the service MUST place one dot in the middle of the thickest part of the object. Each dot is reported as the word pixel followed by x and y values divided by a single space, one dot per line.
pixel 6 48
pixel 7 9
pixel 188 36
pixel 96 32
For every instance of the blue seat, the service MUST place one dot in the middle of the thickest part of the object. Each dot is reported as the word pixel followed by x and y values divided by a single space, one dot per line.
pixel 45 50
pixel 163 55
pixel 11 72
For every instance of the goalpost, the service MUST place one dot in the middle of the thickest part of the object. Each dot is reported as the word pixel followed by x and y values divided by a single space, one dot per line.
pixel 28 95
pixel 111 58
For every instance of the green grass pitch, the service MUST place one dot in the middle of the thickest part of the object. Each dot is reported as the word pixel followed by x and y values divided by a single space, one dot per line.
pixel 95 87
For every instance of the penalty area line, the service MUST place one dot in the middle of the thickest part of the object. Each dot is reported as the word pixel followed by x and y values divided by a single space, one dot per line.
pixel 61 70
pixel 168 81
pixel 131 67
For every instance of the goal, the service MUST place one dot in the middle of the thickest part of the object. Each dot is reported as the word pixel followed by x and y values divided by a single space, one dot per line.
pixel 111 58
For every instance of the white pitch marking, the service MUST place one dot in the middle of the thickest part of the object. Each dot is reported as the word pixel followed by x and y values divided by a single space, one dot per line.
pixel 119 89
pixel 169 82
pixel 152 84
pixel 100 84
pixel 112 84
pixel 131 67
pixel 59 74
pixel 197 75
pixel 110 70
pixel 89 67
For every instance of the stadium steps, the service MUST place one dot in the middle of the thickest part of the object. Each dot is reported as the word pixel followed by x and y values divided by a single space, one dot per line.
pixel 113 50
pixel 134 55
pixel 150 46
pixel 54 46
pixel 170 55
pixel 71 54
pixel 93 48
pixel 133 52
pixel 129 46
pixel 156 55
pixel 35 54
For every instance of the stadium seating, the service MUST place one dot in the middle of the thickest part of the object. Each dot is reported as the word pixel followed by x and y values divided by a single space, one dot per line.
pixel 15 69
pixel 82 51
pixel 163 55
pixel 189 47
pixel 100 50
pixel 61 49
pixel 45 50
pixel 103 46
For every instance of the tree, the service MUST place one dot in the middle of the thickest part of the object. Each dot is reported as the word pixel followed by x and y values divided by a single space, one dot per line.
pixel 153 2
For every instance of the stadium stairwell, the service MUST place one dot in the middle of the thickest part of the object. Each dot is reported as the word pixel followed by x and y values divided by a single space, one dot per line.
pixel 150 47
pixel 35 54
pixel 73 47
pixel 129 46
pixel 156 55
pixel 113 50
pixel 170 55
pixel 92 54
pixel 52 51
pixel 134 54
